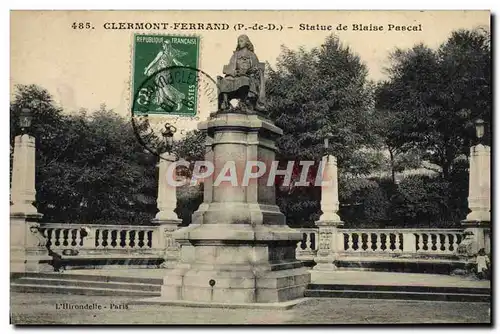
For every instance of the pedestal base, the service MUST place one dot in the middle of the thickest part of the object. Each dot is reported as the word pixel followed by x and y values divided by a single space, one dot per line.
pixel 477 237
pixel 165 302
pixel 478 216
pixel 238 250
pixel 324 265
pixel 20 262
pixel 27 245
pixel 239 284
pixel 237 263
pixel 329 240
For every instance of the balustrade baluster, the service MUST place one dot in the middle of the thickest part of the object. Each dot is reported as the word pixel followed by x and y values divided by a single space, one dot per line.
pixel 140 238
pixel 378 245
pixel 127 239
pixel 308 242
pixel 369 242
pixel 432 243
pixel 98 235
pixel 356 242
pixel 314 241
pixel 439 243
pixel 362 242
pixel 105 237
pixel 420 242
pixel 350 242
pixel 65 237
pixel 400 242
pixel 72 237
pixel 446 243
pixel 47 233
pixel 79 238
pixel 455 243
pixel 148 239
pixel 57 235
pixel 113 239
pixel 391 242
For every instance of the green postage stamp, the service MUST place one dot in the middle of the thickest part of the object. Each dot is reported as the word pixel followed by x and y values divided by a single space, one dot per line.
pixel 163 76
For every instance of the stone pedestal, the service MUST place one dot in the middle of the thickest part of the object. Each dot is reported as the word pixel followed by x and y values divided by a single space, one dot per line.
pixel 27 245
pixel 23 177
pixel 238 248
pixel 478 221
pixel 330 239
pixel 166 218
pixel 479 184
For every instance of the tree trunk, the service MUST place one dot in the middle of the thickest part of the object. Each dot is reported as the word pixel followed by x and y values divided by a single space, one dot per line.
pixel 393 172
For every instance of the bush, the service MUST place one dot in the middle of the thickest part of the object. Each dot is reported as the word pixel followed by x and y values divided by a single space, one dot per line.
pixel 424 201
pixel 365 203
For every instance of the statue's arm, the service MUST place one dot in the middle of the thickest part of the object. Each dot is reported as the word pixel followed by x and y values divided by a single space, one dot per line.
pixel 153 62
pixel 230 69
pixel 255 64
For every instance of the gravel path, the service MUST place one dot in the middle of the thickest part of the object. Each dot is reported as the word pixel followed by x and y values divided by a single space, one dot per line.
pixel 32 308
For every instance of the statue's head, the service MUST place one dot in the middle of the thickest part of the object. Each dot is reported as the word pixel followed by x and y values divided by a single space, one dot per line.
pixel 244 42
pixel 165 44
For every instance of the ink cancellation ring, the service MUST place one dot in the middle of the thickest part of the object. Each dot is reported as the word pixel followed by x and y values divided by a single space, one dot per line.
pixel 156 103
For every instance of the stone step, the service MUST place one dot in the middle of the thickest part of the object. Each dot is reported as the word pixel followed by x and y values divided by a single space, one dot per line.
pixel 97 278
pixel 405 288
pixel 401 295
pixel 77 290
pixel 88 284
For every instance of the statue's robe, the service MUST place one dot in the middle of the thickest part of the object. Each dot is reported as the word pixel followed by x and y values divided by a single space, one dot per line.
pixel 165 92
pixel 242 70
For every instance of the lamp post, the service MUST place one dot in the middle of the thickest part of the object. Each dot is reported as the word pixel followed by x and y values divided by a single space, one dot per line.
pixel 326 143
pixel 479 125
pixel 329 221
pixel 478 220
pixel 25 118
pixel 27 244
pixel 166 202
pixel 168 136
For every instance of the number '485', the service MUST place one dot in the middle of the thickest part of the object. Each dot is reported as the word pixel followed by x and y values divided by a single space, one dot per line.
pixel 81 25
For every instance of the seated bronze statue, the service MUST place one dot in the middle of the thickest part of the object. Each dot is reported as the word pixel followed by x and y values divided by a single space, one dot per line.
pixel 244 79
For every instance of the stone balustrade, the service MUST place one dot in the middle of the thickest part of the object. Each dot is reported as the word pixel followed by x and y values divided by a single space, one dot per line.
pixel 106 244
pixel 384 243
pixel 109 237
pixel 308 246
pixel 81 241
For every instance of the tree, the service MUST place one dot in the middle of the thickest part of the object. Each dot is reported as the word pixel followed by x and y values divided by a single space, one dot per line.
pixel 313 95
pixel 435 95
pixel 424 201
pixel 116 177
pixel 317 94
pixel 387 125
pixel 89 168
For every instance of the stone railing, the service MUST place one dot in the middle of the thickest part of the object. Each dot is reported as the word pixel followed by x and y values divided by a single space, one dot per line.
pixel 308 246
pixel 414 241
pixel 153 243
pixel 384 244
pixel 107 243
pixel 78 237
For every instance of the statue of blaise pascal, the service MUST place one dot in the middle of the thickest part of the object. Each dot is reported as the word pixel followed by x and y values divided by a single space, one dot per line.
pixel 243 80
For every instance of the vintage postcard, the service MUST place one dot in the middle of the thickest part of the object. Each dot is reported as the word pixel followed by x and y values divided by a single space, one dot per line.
pixel 250 167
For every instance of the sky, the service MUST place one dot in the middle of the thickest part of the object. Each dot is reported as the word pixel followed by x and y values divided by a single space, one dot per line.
pixel 84 68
